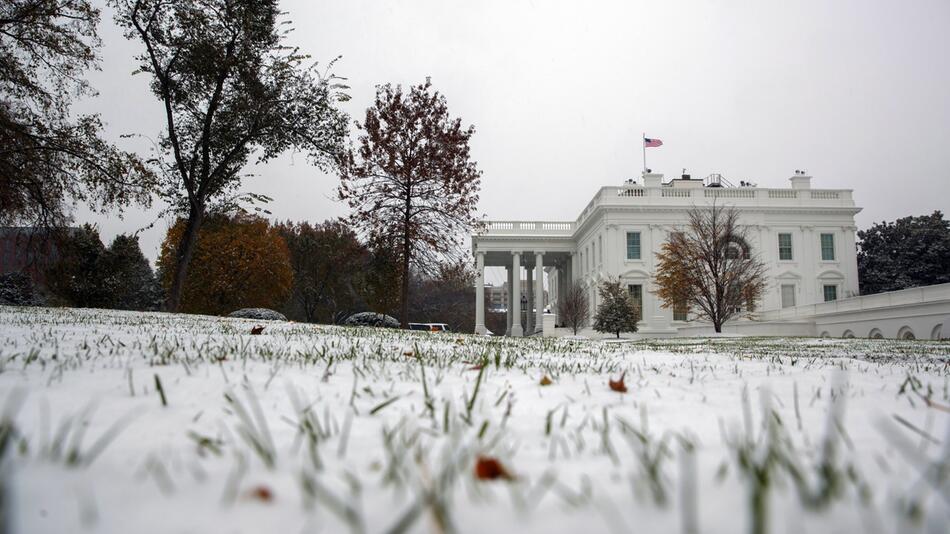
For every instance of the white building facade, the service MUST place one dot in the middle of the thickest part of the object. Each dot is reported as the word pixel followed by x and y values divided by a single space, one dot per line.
pixel 804 236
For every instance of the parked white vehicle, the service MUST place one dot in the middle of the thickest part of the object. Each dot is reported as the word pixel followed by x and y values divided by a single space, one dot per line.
pixel 430 327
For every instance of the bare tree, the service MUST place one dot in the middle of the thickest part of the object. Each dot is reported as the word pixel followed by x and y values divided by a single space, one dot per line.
pixel 574 308
pixel 411 179
pixel 709 266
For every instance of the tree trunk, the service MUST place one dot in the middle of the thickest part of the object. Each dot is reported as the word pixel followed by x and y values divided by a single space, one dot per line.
pixel 717 325
pixel 186 249
pixel 404 291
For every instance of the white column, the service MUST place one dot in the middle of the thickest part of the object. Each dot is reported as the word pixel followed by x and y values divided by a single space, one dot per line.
pixel 516 329
pixel 508 302
pixel 529 291
pixel 539 292
pixel 811 253
pixel 569 271
pixel 480 293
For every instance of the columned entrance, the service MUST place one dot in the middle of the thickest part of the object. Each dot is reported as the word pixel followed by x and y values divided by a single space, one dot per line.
pixel 525 286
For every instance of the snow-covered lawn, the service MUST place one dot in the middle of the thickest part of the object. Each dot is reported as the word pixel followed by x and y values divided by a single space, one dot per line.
pixel 126 422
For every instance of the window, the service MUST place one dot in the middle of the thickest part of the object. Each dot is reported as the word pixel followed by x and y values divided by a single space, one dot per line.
pixel 680 311
pixel 633 246
pixel 827 247
pixel 788 295
pixel 636 292
pixel 733 252
pixel 831 293
pixel 785 247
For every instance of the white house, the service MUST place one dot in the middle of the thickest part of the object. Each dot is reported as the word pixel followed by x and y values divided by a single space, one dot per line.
pixel 805 237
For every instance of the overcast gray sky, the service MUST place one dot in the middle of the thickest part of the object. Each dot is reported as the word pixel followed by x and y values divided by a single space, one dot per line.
pixel 855 92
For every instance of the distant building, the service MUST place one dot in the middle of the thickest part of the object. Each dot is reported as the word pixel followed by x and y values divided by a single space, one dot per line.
pixel 496 297
pixel 28 250
pixel 805 237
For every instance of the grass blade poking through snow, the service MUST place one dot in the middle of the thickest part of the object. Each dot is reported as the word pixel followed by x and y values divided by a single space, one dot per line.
pixel 161 390
pixel 383 404
pixel 256 435
pixel 471 401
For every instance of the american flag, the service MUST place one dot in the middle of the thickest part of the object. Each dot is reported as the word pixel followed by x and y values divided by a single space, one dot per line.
pixel 647 142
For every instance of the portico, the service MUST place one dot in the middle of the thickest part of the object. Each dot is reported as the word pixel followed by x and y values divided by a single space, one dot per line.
pixel 523 259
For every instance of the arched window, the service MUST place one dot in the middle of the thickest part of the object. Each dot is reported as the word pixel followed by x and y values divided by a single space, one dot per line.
pixel 736 248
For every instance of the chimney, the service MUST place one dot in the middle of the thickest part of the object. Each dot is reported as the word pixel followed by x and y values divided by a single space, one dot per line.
pixel 652 180
pixel 800 180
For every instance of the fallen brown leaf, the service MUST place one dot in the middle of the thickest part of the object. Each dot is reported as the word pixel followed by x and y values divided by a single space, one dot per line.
pixel 257 330
pixel 487 468
pixel 545 381
pixel 618 385
pixel 262 493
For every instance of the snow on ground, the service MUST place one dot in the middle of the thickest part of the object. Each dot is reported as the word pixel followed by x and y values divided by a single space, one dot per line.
pixel 323 429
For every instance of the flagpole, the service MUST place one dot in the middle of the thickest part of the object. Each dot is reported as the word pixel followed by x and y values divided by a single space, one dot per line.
pixel 643 143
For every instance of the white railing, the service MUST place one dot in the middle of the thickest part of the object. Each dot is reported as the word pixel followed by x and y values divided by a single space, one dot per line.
pixel 631 192
pixel 914 295
pixel 676 196
pixel 669 192
pixel 728 193
pixel 565 228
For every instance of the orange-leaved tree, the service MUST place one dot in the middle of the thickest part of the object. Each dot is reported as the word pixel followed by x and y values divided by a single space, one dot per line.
pixel 240 261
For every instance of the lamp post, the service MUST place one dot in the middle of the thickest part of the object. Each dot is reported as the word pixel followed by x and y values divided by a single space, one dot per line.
pixel 525 310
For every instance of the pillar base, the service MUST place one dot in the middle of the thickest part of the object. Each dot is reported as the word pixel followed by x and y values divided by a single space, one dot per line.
pixel 516 331
pixel 480 329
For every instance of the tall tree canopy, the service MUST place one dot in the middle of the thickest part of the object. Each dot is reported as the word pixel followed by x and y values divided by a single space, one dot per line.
pixel 48 158
pixel 329 266
pixel 910 252
pixel 241 261
pixel 230 89
pixel 709 266
pixel 411 179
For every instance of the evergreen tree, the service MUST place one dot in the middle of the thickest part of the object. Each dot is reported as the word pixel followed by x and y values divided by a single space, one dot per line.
pixel 617 312
pixel 128 277
pixel 910 252
pixel 76 276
